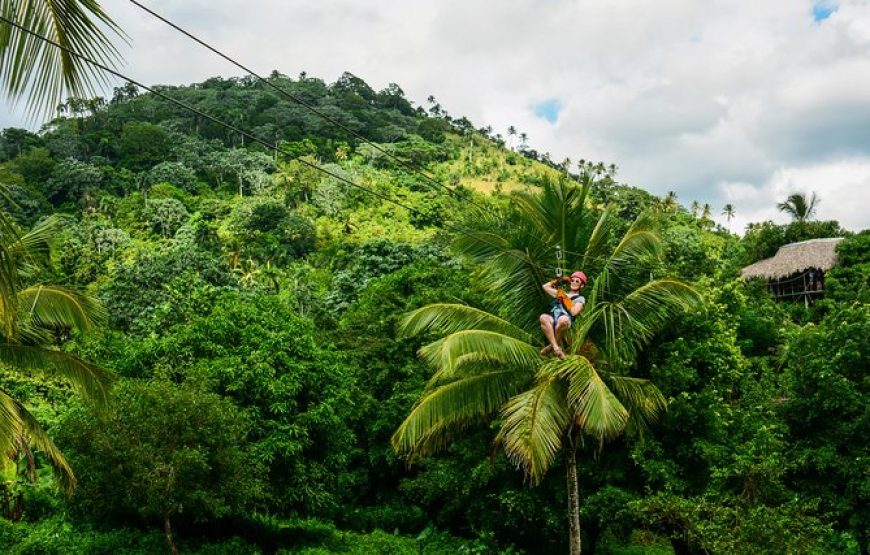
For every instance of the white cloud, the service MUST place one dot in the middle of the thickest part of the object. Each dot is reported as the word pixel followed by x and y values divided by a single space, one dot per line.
pixel 712 99
pixel 841 186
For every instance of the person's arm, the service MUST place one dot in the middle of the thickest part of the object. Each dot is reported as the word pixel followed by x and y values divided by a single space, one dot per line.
pixel 577 307
pixel 550 288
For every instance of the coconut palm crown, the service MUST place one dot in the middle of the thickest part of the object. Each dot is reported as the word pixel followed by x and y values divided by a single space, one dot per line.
pixel 32 317
pixel 487 362
pixel 799 207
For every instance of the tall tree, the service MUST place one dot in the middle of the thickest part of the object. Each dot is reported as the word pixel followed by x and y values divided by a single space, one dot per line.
pixel 706 212
pixel 798 207
pixel 728 212
pixel 670 202
pixel 42 73
pixel 487 364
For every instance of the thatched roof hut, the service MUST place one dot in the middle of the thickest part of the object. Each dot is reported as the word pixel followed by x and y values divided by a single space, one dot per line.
pixel 820 254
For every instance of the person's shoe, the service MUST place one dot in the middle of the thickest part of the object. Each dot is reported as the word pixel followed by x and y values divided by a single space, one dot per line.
pixel 547 350
pixel 559 352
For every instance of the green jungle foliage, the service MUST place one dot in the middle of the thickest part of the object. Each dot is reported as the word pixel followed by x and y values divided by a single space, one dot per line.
pixel 254 310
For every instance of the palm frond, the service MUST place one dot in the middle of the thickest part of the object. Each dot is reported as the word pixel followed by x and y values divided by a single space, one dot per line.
pixel 599 240
pixel 34 244
pixel 9 284
pixel 451 318
pixel 644 401
pixel 48 306
pixel 481 246
pixel 91 381
pixel 28 427
pixel 42 72
pixel 627 325
pixel 596 409
pixel 494 347
pixel 10 423
pixel 454 406
pixel 533 426
pixel 638 247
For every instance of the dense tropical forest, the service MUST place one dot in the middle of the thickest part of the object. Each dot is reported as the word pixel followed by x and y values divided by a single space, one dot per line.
pixel 211 346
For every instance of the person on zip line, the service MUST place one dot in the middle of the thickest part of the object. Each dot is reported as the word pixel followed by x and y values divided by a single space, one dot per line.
pixel 564 309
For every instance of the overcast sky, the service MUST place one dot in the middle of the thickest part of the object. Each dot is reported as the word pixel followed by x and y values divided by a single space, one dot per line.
pixel 721 101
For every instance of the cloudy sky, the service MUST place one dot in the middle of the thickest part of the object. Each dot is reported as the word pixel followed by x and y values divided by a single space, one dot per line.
pixel 721 101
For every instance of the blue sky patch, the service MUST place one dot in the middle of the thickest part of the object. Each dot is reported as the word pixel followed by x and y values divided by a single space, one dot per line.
pixel 823 10
pixel 549 109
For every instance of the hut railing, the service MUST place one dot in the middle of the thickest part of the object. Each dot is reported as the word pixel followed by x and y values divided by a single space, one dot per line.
pixel 806 285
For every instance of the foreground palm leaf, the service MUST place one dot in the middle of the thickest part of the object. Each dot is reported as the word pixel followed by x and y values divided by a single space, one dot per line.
pixel 533 426
pixel 17 423
pixel 34 317
pixel 42 73
pixel 487 365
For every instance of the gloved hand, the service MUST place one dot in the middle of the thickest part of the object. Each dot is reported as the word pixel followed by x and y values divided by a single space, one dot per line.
pixel 564 299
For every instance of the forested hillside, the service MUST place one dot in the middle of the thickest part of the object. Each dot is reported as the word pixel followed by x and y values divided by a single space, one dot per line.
pixel 248 308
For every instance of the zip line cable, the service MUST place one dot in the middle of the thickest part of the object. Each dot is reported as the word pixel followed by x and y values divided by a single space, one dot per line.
pixel 253 138
pixel 283 92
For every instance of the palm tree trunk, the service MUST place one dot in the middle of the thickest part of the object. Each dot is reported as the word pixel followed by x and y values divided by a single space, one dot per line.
pixel 573 496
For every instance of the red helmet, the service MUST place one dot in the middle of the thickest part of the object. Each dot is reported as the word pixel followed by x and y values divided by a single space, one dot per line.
pixel 580 275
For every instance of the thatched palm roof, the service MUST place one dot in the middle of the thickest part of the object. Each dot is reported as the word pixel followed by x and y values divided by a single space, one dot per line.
pixel 795 257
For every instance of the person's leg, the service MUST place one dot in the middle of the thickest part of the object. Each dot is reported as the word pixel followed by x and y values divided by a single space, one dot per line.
pixel 549 332
pixel 562 327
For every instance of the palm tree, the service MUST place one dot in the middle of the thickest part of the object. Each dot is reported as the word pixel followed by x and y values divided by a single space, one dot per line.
pixel 695 207
pixel 798 207
pixel 45 75
pixel 706 212
pixel 489 365
pixel 512 131
pixel 728 212
pixel 669 203
pixel 34 318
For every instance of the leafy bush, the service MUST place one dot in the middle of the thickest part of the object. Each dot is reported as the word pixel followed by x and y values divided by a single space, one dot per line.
pixel 163 285
pixel 726 525
pixel 162 453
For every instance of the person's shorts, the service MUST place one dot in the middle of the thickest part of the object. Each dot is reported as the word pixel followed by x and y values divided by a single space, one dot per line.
pixel 558 313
